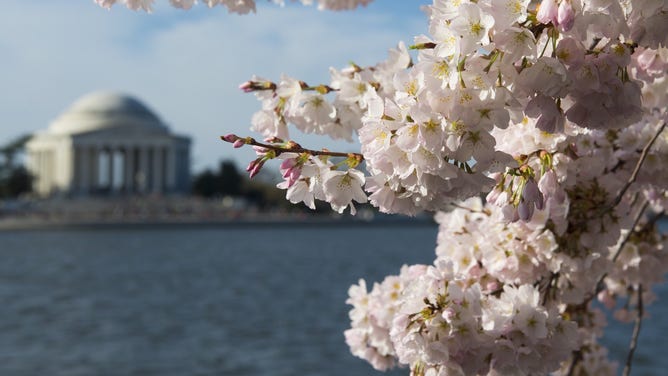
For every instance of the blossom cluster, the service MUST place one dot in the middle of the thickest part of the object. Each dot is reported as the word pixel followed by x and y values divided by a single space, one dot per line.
pixel 570 249
pixel 429 129
pixel 555 113
pixel 442 324
pixel 506 297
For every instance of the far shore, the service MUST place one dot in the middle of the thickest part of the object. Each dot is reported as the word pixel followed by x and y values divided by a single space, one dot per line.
pixel 172 212
pixel 13 224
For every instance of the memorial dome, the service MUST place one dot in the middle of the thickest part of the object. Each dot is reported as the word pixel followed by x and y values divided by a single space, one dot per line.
pixel 105 110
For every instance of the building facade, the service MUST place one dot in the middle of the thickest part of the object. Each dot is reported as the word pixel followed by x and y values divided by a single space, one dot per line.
pixel 108 143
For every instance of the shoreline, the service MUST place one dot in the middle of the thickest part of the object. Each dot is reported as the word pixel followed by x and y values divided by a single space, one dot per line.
pixel 11 225
pixel 160 212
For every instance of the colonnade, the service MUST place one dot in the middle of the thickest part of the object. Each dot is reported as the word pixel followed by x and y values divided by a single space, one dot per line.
pixel 124 169
pixel 42 164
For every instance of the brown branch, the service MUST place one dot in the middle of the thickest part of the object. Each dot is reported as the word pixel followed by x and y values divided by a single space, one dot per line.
pixel 551 282
pixel 599 284
pixel 577 356
pixel 631 230
pixel 636 333
pixel 292 147
pixel 636 170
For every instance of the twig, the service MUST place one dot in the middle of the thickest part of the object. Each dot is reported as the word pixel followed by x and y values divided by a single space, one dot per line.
pixel 631 230
pixel 577 355
pixel 636 333
pixel 548 287
pixel 599 284
pixel 296 148
pixel 618 198
pixel 636 170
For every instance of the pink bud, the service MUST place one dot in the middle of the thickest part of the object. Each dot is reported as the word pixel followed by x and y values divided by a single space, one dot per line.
pixel 238 143
pixel 288 164
pixel 295 174
pixel 259 150
pixel 510 213
pixel 247 86
pixel 565 16
pixel 547 12
pixel 256 169
pixel 549 186
pixel 230 137
pixel 255 166
pixel 525 210
pixel 493 195
pixel 532 195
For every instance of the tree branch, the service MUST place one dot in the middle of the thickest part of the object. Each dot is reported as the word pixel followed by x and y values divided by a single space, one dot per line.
pixel 291 147
pixel 599 284
pixel 631 230
pixel 577 355
pixel 636 333
pixel 636 170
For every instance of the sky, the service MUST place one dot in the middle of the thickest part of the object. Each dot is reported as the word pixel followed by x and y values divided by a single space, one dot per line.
pixel 184 65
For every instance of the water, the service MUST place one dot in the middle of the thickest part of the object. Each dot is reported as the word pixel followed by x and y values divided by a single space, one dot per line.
pixel 220 301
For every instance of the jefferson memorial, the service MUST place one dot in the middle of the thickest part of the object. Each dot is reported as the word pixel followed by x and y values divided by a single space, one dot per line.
pixel 108 143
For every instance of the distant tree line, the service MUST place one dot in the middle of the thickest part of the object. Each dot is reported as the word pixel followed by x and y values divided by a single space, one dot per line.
pixel 228 181
pixel 15 179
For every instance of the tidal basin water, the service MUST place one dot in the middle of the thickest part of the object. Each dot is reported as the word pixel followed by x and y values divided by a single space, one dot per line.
pixel 246 300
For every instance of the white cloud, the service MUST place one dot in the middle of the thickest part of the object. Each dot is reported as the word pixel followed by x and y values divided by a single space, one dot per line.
pixel 184 65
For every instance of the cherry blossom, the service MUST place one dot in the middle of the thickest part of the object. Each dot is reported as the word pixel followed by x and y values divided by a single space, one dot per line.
pixel 555 113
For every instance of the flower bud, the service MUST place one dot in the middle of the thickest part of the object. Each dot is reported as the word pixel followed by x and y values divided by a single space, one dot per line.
pixel 493 195
pixel 257 166
pixel 547 12
pixel 549 186
pixel 259 150
pixel 230 137
pixel 247 86
pixel 525 210
pixel 251 165
pixel 565 16
pixel 532 195
pixel 510 213
pixel 288 164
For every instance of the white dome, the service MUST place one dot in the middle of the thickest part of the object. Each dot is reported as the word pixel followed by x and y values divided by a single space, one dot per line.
pixel 104 110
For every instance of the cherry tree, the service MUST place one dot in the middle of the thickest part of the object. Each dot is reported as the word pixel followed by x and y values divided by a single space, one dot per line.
pixel 555 114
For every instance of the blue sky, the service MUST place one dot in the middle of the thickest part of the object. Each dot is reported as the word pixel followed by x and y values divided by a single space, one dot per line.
pixel 185 65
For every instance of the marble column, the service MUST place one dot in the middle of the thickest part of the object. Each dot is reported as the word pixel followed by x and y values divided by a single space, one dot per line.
pixel 129 169
pixel 171 169
pixel 110 168
pixel 83 158
pixel 44 172
pixel 94 168
pixel 143 169
pixel 41 176
pixel 156 177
